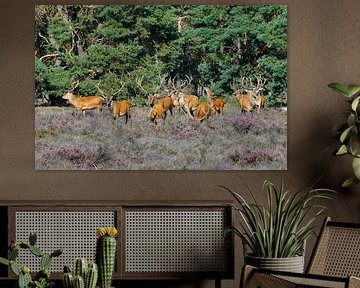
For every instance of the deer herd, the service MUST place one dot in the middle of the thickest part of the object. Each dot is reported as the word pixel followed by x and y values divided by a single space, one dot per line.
pixel 174 97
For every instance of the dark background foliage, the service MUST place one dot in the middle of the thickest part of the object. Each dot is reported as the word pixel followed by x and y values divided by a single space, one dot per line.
pixel 214 44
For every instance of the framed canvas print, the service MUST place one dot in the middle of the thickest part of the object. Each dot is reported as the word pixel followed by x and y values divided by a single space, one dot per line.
pixel 160 87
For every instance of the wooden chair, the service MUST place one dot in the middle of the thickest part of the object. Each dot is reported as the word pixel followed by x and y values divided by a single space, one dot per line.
pixel 335 262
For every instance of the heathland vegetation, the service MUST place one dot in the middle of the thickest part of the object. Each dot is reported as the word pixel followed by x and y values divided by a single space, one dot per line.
pixel 205 64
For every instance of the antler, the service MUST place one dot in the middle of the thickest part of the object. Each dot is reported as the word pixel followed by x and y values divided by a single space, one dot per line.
pixel 260 83
pixel 74 85
pixel 139 81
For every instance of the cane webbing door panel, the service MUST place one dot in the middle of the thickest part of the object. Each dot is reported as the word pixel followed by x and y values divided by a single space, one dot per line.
pixel 73 230
pixel 165 241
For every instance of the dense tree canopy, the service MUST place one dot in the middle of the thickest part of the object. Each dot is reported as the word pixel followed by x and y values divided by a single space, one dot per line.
pixel 111 46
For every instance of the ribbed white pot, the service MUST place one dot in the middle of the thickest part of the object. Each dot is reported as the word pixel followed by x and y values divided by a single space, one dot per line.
pixel 291 264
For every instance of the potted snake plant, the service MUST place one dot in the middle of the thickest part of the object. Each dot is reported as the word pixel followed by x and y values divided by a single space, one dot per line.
pixel 349 131
pixel 274 234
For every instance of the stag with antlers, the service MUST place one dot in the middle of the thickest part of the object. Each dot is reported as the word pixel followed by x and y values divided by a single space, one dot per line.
pixel 216 104
pixel 165 102
pixel 188 102
pixel 83 103
pixel 250 99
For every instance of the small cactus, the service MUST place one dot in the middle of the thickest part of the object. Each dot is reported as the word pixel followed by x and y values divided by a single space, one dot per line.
pixel 79 282
pixel 84 273
pixel 80 267
pixel 23 273
pixel 106 254
pixel 91 275
pixel 24 278
pixel 68 280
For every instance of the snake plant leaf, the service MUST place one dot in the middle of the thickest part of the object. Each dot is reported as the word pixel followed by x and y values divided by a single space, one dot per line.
pixel 356 167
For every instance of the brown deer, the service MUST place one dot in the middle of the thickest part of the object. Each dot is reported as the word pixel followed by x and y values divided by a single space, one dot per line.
pixel 121 108
pixel 216 104
pixel 202 112
pixel 83 103
pixel 186 101
pixel 250 100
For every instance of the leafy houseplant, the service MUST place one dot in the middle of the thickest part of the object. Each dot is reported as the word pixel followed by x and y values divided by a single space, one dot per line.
pixel 349 132
pixel 280 228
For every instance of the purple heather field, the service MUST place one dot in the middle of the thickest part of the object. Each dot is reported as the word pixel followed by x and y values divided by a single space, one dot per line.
pixel 67 140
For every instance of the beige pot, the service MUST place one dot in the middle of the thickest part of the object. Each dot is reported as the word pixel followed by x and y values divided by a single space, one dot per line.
pixel 291 264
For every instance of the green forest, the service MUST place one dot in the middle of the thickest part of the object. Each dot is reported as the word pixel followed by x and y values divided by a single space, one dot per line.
pixel 109 47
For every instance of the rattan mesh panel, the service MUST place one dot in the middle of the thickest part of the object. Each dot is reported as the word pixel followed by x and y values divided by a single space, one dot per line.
pixel 75 231
pixel 312 282
pixel 338 253
pixel 175 241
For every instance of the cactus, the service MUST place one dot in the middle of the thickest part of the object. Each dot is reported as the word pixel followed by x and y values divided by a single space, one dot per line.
pixel 84 274
pixel 45 261
pixel 79 282
pixel 32 238
pixel 80 267
pixel 23 273
pixel 105 254
pixel 68 280
pixel 91 276
pixel 24 278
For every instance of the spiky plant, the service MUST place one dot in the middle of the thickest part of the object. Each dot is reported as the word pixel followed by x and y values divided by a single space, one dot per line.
pixel 106 254
pixel 42 278
pixel 279 229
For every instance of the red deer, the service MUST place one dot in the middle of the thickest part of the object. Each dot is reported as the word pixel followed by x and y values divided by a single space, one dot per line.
pixel 260 103
pixel 157 113
pixel 84 103
pixel 121 108
pixel 186 101
pixel 216 104
pixel 189 103
pixel 250 100
pixel 202 112
pixel 167 102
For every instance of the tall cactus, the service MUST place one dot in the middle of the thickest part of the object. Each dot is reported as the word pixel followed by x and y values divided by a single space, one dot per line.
pixel 106 254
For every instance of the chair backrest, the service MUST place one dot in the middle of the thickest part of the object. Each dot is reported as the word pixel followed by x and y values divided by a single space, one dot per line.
pixel 337 251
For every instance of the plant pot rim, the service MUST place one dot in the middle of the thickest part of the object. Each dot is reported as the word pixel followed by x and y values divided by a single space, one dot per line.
pixel 261 257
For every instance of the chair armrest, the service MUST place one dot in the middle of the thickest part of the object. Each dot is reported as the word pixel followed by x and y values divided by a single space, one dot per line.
pixel 354 282
pixel 252 277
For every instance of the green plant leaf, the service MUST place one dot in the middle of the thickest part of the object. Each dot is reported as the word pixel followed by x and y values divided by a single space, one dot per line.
pixel 345 134
pixel 356 167
pixel 4 261
pixel 342 150
pixel 340 88
pixel 355 103
pixel 354 90
pixel 349 182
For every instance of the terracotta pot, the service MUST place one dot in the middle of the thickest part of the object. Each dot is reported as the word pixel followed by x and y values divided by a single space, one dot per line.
pixel 291 264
